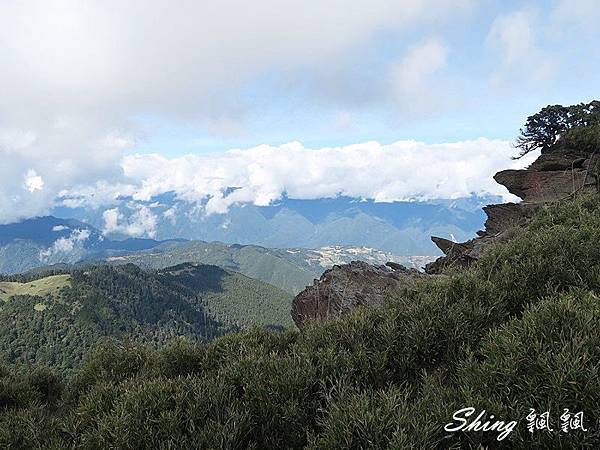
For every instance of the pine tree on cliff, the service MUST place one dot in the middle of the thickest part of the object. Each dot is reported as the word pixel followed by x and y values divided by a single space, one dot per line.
pixel 543 129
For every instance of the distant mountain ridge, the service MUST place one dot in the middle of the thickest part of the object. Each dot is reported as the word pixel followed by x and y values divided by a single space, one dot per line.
pixel 308 231
pixel 400 228
pixel 44 230
pixel 288 269
pixel 49 240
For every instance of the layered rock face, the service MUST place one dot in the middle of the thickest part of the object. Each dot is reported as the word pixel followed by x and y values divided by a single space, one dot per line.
pixel 349 286
pixel 555 175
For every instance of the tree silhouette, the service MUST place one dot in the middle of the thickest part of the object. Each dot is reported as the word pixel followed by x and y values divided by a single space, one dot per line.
pixel 543 129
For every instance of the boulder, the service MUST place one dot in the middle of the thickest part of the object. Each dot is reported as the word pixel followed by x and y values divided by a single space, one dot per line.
pixel 553 176
pixel 536 187
pixel 349 286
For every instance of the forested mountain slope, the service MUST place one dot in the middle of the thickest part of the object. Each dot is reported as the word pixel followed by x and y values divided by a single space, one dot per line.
pixel 288 269
pixel 56 319
pixel 516 330
pixel 269 265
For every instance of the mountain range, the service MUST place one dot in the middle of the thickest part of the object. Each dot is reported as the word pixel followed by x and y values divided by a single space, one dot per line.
pixel 50 240
pixel 287 244
pixel 400 228
pixel 288 269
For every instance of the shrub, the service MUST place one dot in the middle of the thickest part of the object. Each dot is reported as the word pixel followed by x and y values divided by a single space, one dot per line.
pixel 547 360
pixel 113 361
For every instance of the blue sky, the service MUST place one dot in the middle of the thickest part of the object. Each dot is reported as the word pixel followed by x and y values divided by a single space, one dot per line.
pixel 277 109
pixel 87 86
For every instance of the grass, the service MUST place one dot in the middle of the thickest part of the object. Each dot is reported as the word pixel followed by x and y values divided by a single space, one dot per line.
pixel 41 287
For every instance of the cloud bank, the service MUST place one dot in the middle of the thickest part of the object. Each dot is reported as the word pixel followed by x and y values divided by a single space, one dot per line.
pixel 76 76
pixel 401 171
pixel 65 245
pixel 141 223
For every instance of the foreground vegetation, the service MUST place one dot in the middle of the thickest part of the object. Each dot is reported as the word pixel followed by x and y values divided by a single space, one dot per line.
pixel 517 330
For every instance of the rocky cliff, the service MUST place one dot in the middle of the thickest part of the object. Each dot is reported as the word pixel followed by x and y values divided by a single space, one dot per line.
pixel 555 175
pixel 349 286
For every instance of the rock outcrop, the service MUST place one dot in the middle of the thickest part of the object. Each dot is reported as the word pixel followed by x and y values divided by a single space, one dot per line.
pixel 349 286
pixel 551 177
pixel 555 175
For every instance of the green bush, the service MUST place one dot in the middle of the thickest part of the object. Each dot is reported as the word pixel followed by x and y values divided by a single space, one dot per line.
pixel 547 360
pixel 583 138
pixel 184 413
pixel 113 361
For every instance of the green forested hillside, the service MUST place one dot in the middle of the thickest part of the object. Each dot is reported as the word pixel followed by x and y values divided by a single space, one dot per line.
pixel 516 330
pixel 230 297
pixel 56 319
pixel 288 269
pixel 268 265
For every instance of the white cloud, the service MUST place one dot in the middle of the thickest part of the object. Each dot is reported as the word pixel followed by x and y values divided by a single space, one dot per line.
pixel 58 228
pixel 33 182
pixel 141 223
pixel 171 215
pixel 63 157
pixel 76 75
pixel 401 171
pixel 411 78
pixel 515 38
pixel 65 245
pixel 111 220
pixel 185 57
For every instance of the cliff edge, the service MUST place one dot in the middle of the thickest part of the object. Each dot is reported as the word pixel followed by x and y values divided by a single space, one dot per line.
pixel 555 175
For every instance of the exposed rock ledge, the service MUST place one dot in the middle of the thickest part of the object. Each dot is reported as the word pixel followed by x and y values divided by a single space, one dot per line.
pixel 555 175
pixel 349 286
